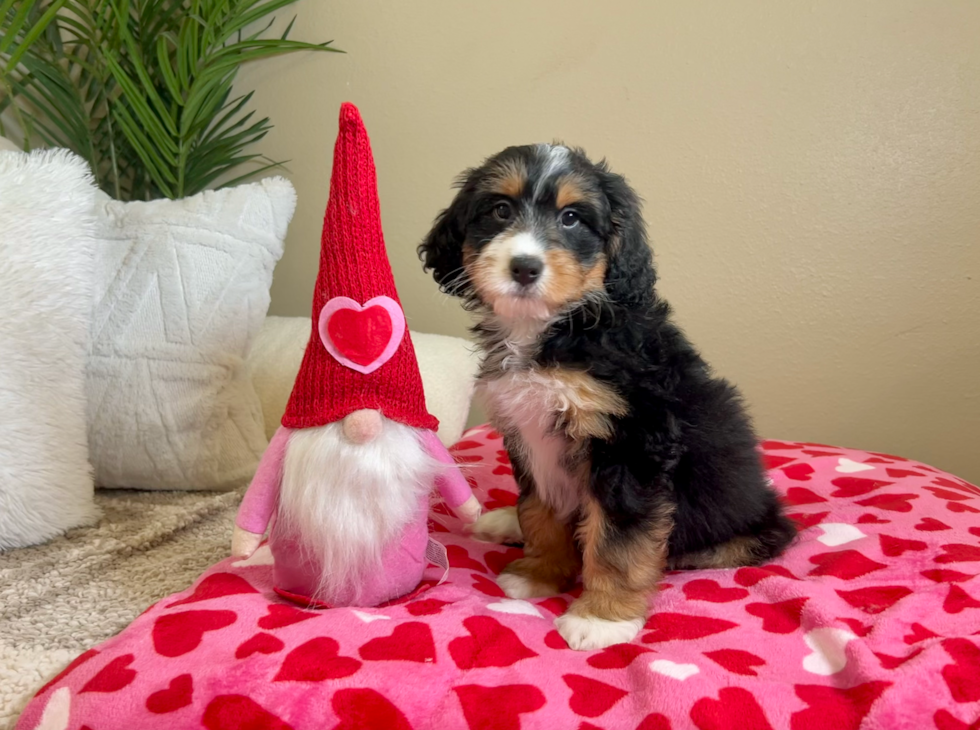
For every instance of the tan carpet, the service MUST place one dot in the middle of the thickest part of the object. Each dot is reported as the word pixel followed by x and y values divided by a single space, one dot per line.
pixel 61 598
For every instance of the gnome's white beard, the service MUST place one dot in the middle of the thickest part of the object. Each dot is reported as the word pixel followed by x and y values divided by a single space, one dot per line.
pixel 344 503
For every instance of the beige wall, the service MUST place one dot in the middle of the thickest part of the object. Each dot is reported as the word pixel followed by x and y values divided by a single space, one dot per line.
pixel 811 171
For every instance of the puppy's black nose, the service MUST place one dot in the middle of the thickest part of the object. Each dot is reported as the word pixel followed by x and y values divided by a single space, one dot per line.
pixel 526 270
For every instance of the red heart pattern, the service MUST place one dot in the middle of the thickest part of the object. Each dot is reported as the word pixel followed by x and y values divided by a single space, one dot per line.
pixel 261 643
pixel 113 676
pixel 945 721
pixel 806 521
pixel 721 646
pixel 654 721
pixel 945 575
pixel 735 709
pixel 737 661
pixel 498 708
pixel 75 663
pixel 409 642
pixel 959 600
pixel 617 656
pixel 238 712
pixel 894 547
pixel 459 558
pixel 800 472
pixel 359 709
pixel 178 694
pixel 850 487
pixel 957 553
pixel 889 501
pixel 961 676
pixel 876 598
pixel 931 524
pixel 859 628
pixel 958 507
pixel 316 660
pixel 490 644
pixel 894 662
pixel 590 697
pixel 779 618
pixel 426 607
pixel 176 634
pixel 844 564
pixel 801 496
pixel 279 616
pixel 830 707
pixel 671 626
pixel 919 633
pixel 748 577
pixel 217 585
pixel 709 590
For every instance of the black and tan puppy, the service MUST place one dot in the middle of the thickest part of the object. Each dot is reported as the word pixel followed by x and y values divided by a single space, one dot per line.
pixel 630 455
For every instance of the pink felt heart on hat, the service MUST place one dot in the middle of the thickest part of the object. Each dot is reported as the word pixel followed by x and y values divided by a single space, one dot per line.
pixel 362 337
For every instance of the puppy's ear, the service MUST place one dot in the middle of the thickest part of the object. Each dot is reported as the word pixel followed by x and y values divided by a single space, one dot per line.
pixel 442 250
pixel 630 275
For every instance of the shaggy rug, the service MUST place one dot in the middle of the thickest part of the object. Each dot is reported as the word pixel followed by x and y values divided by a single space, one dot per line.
pixel 60 598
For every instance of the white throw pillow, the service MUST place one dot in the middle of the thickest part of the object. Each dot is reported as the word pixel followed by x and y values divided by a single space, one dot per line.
pixel 182 288
pixel 47 244
pixel 447 365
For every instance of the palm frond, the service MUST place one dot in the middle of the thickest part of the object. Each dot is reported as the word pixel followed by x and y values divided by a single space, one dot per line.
pixel 141 88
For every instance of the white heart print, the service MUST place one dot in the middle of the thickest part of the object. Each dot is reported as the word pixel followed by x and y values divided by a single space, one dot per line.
pixel 847 466
pixel 56 712
pixel 838 533
pixel 828 645
pixel 673 669
pixel 369 617
pixel 514 606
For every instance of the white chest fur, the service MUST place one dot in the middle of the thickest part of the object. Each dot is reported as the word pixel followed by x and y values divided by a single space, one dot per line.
pixel 529 402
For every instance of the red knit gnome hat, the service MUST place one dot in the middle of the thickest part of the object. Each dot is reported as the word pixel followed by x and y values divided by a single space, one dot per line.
pixel 360 353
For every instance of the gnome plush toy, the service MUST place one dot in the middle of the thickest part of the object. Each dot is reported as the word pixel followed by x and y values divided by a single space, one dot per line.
pixel 345 481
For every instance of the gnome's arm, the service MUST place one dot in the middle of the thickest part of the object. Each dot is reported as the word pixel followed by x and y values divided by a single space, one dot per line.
pixel 261 498
pixel 450 482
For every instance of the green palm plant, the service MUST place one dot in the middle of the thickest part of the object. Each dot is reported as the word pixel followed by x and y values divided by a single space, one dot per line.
pixel 142 89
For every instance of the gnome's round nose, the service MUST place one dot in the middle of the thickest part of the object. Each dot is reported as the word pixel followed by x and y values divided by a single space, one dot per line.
pixel 362 426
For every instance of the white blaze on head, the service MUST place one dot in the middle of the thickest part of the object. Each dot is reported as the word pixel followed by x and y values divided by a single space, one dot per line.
pixel 556 160
pixel 345 502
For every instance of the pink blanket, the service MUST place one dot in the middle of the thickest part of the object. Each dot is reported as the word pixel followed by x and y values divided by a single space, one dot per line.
pixel 871 620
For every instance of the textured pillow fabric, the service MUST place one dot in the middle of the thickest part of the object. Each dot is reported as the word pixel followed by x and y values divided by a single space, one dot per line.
pixel 47 244
pixel 182 289
pixel 447 364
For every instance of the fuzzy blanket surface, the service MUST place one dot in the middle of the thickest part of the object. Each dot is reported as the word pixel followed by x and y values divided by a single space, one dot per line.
pixel 871 620
pixel 61 598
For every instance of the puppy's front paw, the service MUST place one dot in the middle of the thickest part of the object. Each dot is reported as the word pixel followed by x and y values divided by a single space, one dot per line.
pixel 588 633
pixel 499 526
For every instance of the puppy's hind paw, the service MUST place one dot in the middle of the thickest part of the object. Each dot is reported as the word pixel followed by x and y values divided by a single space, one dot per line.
pixel 519 586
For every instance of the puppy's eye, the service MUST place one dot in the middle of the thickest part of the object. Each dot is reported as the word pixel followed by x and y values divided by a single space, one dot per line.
pixel 502 211
pixel 569 218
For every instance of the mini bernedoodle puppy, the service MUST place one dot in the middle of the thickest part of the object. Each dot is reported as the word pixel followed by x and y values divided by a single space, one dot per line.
pixel 631 456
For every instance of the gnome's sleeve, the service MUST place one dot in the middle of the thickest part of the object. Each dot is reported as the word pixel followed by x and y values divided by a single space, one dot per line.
pixel 450 482
pixel 263 493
